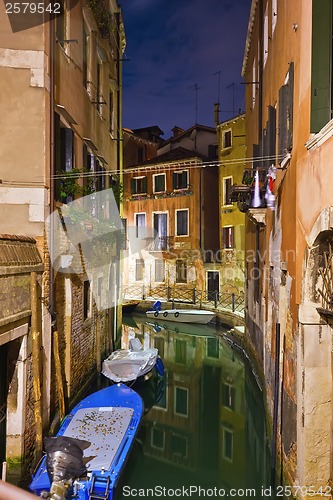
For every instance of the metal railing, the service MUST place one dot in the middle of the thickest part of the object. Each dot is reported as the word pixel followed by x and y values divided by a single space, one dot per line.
pixel 188 295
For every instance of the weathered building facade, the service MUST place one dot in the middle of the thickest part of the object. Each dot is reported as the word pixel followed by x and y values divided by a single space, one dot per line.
pixel 287 68
pixel 231 156
pixel 61 103
pixel 175 199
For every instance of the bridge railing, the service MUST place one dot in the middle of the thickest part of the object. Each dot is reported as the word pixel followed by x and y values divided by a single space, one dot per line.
pixel 188 295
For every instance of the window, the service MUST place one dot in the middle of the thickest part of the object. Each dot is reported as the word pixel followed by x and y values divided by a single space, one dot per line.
pixel 181 401
pixel 179 445
pixel 180 351
pixel 181 271
pixel 157 438
pixel 213 348
pixel 139 185
pixel 228 237
pixel 61 24
pixel 212 152
pixel 159 270
pixel 227 183
pixel 158 183
pixel 162 389
pixel 180 179
pixel 321 64
pixel 139 269
pixel 85 57
pixel 140 225
pixel 182 222
pixel 64 159
pixel 99 85
pixel 285 113
pixel 228 396
pixel 86 300
pixel 228 443
pixel 274 15
pixel 160 225
pixel 226 139
pixel 265 48
pixel 111 111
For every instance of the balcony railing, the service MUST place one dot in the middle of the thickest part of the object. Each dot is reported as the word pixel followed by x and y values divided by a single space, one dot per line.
pixel 160 244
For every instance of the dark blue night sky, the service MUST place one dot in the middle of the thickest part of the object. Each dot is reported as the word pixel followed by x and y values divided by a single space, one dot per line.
pixel 174 45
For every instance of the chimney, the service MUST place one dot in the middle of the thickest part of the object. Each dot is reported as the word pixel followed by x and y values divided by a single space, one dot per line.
pixel 216 113
pixel 177 131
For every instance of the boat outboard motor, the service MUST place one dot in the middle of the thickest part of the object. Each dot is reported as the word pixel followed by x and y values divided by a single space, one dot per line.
pixel 156 306
pixel 64 459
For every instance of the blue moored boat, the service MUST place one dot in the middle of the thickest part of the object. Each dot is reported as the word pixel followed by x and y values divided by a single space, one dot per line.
pixel 106 422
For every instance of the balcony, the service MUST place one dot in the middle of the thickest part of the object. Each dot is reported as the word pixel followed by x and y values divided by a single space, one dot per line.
pixel 161 244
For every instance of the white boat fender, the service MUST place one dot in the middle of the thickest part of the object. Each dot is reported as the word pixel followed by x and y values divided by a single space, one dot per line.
pixel 176 314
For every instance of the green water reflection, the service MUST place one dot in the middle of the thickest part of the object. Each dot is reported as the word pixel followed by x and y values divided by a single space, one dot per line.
pixel 208 429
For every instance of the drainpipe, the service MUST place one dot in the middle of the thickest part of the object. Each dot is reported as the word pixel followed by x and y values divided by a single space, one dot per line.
pixel 36 363
pixel 276 402
pixel 51 236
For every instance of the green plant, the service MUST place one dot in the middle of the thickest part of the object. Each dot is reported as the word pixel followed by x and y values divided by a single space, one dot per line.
pixel 117 188
pixel 101 14
pixel 68 183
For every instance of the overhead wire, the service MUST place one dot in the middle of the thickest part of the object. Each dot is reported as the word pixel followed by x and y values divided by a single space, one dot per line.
pixel 185 164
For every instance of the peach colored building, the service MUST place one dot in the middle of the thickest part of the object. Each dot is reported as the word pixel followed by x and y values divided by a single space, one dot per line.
pixel 287 70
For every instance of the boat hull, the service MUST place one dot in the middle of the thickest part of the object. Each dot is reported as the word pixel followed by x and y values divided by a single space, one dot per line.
pixel 182 315
pixel 111 420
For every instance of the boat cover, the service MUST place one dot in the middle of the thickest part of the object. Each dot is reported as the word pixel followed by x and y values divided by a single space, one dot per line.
pixel 107 425
pixel 126 365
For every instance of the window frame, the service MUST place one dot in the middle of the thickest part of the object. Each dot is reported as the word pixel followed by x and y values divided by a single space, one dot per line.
pixel 224 134
pixel 176 221
pixel 186 390
pixel 232 234
pixel 178 172
pixel 142 274
pixel 141 178
pixel 225 202
pixel 226 457
pixel 154 186
pixel 156 276
pixel 87 300
pixel 182 280
pixel 136 214
pixel 153 428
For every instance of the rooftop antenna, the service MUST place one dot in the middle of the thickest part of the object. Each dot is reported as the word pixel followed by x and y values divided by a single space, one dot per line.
pixel 196 88
pixel 233 97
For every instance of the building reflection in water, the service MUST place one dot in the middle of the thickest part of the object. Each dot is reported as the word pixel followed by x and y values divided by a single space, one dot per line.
pixel 208 428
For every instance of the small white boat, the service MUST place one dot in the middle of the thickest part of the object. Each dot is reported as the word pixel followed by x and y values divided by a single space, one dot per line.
pixel 180 315
pixel 126 365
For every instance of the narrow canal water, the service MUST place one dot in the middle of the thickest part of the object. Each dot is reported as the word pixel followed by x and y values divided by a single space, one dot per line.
pixel 206 434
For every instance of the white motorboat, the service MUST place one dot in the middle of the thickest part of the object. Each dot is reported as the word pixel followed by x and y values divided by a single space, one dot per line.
pixel 180 315
pixel 126 365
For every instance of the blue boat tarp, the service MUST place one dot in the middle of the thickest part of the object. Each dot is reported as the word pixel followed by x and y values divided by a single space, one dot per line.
pixel 109 420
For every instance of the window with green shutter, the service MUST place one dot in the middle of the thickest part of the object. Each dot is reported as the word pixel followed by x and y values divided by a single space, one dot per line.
pixel 139 185
pixel 321 64
pixel 180 179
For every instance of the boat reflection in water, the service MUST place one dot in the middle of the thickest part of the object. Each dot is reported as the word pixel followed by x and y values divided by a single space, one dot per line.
pixel 208 428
